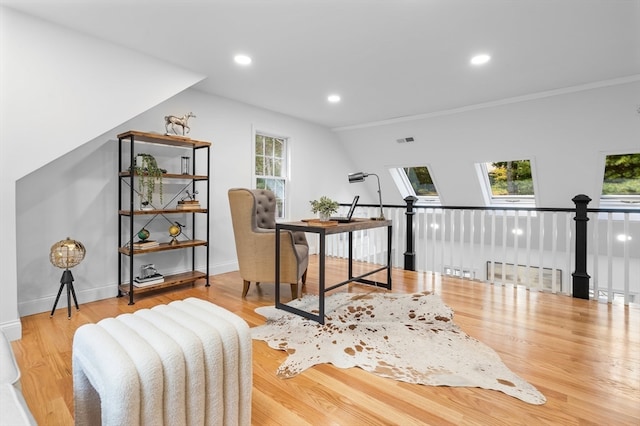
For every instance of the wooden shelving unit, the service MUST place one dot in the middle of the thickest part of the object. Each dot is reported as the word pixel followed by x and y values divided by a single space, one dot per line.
pixel 127 213
pixel 169 281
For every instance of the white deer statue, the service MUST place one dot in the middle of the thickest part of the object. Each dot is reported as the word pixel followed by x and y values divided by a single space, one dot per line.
pixel 180 121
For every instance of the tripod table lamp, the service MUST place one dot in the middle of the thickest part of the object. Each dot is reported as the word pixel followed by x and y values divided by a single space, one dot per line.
pixel 66 254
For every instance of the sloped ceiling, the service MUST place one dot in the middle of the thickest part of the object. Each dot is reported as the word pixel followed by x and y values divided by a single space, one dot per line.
pixel 387 59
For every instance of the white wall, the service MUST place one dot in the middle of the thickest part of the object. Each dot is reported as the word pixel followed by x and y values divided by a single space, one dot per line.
pixel 83 202
pixel 566 135
pixel 58 90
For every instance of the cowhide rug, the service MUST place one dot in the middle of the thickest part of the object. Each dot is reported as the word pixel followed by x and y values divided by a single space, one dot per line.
pixel 407 337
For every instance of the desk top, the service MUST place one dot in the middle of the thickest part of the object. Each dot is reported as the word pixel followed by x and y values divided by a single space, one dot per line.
pixel 357 224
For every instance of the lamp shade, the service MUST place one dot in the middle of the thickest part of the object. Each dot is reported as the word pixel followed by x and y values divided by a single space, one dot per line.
pixel 357 177
pixel 67 253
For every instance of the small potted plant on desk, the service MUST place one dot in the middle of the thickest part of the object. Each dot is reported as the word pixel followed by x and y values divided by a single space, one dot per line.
pixel 325 207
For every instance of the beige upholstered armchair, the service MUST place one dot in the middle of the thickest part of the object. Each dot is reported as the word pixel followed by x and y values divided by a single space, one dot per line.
pixel 253 217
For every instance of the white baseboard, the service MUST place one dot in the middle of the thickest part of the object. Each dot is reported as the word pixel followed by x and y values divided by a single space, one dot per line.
pixel 12 329
pixel 223 268
pixel 45 304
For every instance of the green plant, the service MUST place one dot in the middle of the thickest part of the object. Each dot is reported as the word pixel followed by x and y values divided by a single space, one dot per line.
pixel 325 206
pixel 149 174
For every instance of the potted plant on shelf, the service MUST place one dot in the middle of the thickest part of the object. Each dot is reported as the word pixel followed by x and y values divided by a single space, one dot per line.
pixel 149 174
pixel 325 207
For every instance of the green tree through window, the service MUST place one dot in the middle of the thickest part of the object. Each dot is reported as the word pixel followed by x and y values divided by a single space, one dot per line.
pixel 510 178
pixel 421 181
pixel 622 175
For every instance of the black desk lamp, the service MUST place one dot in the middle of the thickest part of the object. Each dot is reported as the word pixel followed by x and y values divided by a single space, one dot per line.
pixel 359 177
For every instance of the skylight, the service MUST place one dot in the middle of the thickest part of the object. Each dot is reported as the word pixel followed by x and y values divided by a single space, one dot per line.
pixel 508 182
pixel 621 182
pixel 416 181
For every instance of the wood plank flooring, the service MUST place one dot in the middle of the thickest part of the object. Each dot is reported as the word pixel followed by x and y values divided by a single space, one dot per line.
pixel 584 356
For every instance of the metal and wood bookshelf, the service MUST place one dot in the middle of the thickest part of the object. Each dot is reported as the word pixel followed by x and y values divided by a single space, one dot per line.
pixel 127 213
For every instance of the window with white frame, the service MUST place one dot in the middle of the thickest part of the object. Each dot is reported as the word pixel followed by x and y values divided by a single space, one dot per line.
pixel 271 165
pixel 415 181
pixel 621 182
pixel 508 182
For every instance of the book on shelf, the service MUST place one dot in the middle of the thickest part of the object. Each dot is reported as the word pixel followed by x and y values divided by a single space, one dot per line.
pixel 145 244
pixel 188 205
pixel 150 280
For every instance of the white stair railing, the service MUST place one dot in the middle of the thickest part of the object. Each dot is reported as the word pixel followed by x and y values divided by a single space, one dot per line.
pixel 532 248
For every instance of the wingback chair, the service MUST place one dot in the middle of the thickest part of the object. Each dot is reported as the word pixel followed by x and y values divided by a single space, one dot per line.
pixel 253 218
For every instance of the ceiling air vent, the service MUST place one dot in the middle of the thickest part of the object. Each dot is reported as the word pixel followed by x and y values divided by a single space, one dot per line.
pixel 405 140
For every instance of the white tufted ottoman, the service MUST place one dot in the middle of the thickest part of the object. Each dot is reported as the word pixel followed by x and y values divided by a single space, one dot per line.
pixel 185 363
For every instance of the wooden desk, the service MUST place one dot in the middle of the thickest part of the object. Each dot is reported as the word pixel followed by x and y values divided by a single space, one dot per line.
pixel 323 231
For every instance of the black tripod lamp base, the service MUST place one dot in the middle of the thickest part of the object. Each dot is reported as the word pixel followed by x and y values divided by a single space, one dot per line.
pixel 66 280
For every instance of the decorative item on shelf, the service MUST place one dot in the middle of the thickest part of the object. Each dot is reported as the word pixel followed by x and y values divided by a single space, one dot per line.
pixel 325 207
pixel 359 177
pixel 149 174
pixel 66 254
pixel 174 230
pixel 172 120
pixel 149 275
pixel 189 202
pixel 145 242
pixel 185 165
pixel 143 234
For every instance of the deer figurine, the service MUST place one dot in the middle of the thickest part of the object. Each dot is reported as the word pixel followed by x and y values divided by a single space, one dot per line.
pixel 180 121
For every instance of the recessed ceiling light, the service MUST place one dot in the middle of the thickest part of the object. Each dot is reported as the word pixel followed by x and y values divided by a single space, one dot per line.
pixel 242 59
pixel 333 98
pixel 480 59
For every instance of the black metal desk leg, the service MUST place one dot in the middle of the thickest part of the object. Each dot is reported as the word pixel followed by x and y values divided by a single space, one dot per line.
pixel 389 236
pixel 321 274
pixel 350 239
pixel 277 261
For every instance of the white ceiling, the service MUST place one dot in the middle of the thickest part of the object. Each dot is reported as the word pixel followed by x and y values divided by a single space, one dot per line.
pixel 387 58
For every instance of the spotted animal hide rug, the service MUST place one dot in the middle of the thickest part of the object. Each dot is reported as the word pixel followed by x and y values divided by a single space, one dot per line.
pixel 406 337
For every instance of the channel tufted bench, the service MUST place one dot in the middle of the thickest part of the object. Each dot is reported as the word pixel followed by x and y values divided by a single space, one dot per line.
pixel 184 363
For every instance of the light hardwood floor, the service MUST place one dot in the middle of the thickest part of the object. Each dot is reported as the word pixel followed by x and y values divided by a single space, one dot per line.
pixel 582 355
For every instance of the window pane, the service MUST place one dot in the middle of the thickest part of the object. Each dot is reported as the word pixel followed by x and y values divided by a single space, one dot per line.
pixel 277 186
pixel 268 146
pixel 277 167
pixel 421 181
pixel 259 145
pixel 259 165
pixel 510 178
pixel 268 167
pixel 277 148
pixel 622 175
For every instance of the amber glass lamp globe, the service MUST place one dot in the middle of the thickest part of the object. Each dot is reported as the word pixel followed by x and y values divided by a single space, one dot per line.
pixel 67 253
